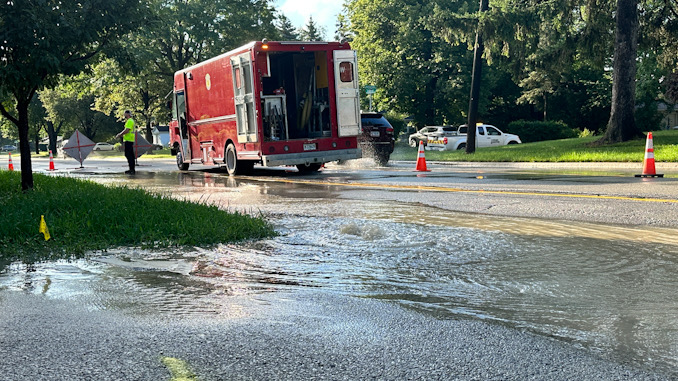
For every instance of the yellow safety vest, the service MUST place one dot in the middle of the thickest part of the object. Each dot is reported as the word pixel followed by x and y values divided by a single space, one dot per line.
pixel 129 137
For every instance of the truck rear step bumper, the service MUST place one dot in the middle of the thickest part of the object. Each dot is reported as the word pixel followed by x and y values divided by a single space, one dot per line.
pixel 311 157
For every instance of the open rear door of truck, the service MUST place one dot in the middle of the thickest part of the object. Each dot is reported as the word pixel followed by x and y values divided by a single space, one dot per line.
pixel 243 89
pixel 348 101
pixel 181 116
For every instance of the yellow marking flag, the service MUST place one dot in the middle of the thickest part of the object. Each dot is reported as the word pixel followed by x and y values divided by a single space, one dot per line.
pixel 43 228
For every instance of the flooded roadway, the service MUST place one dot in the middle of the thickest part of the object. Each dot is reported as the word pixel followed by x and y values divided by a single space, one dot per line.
pixel 608 288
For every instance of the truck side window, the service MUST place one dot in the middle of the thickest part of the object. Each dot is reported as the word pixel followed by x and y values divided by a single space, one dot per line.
pixel 481 131
pixel 346 72
pixel 493 131
pixel 174 108
pixel 237 78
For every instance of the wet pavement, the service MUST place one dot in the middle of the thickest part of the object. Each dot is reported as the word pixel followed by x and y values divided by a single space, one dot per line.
pixel 603 291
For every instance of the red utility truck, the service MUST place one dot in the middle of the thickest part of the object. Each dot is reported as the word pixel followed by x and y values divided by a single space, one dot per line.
pixel 273 103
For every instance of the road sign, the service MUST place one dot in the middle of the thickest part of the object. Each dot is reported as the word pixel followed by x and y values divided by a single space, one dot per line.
pixel 369 89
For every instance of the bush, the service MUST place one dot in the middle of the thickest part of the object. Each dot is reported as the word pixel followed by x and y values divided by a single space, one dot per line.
pixel 585 133
pixel 536 131
pixel 397 121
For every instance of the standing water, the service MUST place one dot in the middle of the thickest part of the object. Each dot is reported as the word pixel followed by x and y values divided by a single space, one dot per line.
pixel 607 288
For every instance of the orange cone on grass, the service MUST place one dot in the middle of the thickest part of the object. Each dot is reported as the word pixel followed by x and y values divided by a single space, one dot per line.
pixel 11 166
pixel 648 162
pixel 421 160
pixel 51 161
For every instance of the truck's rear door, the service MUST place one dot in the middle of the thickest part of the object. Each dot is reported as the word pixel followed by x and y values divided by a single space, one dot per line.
pixel 243 89
pixel 346 83
pixel 179 111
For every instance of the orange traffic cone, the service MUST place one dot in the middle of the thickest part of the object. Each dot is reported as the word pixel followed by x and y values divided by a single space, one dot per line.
pixel 11 166
pixel 421 160
pixel 648 162
pixel 51 161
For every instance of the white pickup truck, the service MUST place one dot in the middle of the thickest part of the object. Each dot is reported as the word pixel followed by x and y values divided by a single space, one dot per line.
pixel 486 136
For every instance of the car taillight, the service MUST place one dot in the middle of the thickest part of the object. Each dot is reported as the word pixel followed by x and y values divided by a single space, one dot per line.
pixel 389 130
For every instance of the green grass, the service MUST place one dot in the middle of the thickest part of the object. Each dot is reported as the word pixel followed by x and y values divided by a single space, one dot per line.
pixel 565 150
pixel 84 216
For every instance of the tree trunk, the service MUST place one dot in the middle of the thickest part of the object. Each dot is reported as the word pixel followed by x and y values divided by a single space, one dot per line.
pixel 53 133
pixel 622 125
pixel 475 86
pixel 36 138
pixel 24 146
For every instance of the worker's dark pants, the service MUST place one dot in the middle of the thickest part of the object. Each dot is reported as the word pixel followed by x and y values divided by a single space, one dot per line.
pixel 129 154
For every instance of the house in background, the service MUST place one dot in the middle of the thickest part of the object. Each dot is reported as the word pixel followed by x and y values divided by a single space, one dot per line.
pixel 161 135
pixel 670 120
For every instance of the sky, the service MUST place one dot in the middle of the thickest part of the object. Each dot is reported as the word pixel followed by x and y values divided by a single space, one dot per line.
pixel 324 13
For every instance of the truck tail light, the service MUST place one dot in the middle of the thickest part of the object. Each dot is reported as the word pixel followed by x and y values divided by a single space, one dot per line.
pixel 445 141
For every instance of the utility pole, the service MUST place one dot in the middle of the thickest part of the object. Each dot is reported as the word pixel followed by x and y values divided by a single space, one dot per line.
pixel 475 86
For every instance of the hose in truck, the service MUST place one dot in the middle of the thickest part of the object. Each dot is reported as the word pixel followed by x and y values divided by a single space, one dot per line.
pixel 308 103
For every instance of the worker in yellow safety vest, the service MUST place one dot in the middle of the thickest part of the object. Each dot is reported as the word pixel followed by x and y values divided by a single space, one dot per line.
pixel 128 136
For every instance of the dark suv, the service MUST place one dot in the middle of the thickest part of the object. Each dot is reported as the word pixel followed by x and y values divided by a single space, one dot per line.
pixel 377 140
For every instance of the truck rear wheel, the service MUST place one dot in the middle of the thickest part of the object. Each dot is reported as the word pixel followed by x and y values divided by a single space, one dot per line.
pixel 461 146
pixel 308 168
pixel 180 162
pixel 235 166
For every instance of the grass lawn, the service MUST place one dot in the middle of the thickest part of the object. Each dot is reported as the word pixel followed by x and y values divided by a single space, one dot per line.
pixel 565 150
pixel 83 216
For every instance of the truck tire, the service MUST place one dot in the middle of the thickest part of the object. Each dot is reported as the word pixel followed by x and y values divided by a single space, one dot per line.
pixel 461 146
pixel 513 142
pixel 180 162
pixel 235 166
pixel 308 168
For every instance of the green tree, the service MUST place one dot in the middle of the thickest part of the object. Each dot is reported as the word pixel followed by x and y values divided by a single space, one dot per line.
pixel 311 31
pixel 185 32
pixel 180 33
pixel 416 70
pixel 57 116
pixel 39 40
pixel 37 122
pixel 343 31
pixel 286 30
pixel 622 125
pixel 71 104
pixel 143 92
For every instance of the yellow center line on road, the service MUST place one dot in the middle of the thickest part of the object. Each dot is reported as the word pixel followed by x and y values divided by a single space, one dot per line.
pixel 461 190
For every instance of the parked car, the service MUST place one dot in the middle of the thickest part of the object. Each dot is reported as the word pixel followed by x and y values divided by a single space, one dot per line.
pixel 8 147
pixel 103 147
pixel 430 131
pixel 377 140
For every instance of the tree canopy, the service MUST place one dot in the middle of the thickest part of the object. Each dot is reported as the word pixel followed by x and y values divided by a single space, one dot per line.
pixel 41 40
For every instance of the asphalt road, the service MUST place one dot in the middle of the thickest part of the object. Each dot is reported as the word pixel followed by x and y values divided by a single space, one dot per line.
pixel 319 335
pixel 304 336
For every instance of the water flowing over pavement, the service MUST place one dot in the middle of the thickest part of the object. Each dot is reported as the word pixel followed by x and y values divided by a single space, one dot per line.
pixel 608 289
